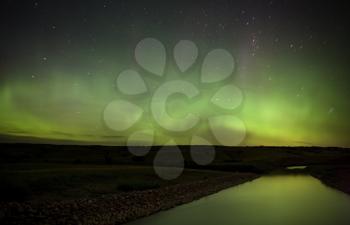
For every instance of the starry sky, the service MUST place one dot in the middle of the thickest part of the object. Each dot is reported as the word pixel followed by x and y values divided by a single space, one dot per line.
pixel 59 61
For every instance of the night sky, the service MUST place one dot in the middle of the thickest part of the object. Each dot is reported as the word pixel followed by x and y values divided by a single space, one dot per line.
pixel 59 62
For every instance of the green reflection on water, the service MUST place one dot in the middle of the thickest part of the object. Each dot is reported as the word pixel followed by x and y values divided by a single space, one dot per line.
pixel 296 167
pixel 269 200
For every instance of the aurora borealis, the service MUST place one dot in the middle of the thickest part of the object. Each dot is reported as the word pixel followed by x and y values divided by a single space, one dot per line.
pixel 60 61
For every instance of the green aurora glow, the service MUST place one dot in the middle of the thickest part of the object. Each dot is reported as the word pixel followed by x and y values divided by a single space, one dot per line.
pixel 284 104
pixel 59 62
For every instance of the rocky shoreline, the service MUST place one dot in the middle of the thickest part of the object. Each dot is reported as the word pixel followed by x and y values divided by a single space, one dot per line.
pixel 115 209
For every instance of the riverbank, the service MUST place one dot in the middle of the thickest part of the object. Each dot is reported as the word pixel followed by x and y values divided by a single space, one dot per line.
pixel 118 208
pixel 333 176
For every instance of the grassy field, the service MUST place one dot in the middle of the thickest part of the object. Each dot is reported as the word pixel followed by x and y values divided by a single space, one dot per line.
pixel 44 172
pixel 43 181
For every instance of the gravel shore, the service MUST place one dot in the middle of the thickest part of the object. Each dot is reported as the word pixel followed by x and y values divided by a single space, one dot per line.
pixel 115 209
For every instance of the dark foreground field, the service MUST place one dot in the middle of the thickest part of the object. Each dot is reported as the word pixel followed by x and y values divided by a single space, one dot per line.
pixel 51 184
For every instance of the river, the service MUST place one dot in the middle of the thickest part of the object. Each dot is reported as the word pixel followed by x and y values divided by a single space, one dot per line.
pixel 269 200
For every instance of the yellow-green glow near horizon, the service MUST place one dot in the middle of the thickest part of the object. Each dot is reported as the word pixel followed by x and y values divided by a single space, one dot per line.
pixel 59 63
pixel 283 105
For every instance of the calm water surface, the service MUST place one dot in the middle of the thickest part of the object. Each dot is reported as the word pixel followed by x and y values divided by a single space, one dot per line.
pixel 269 200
